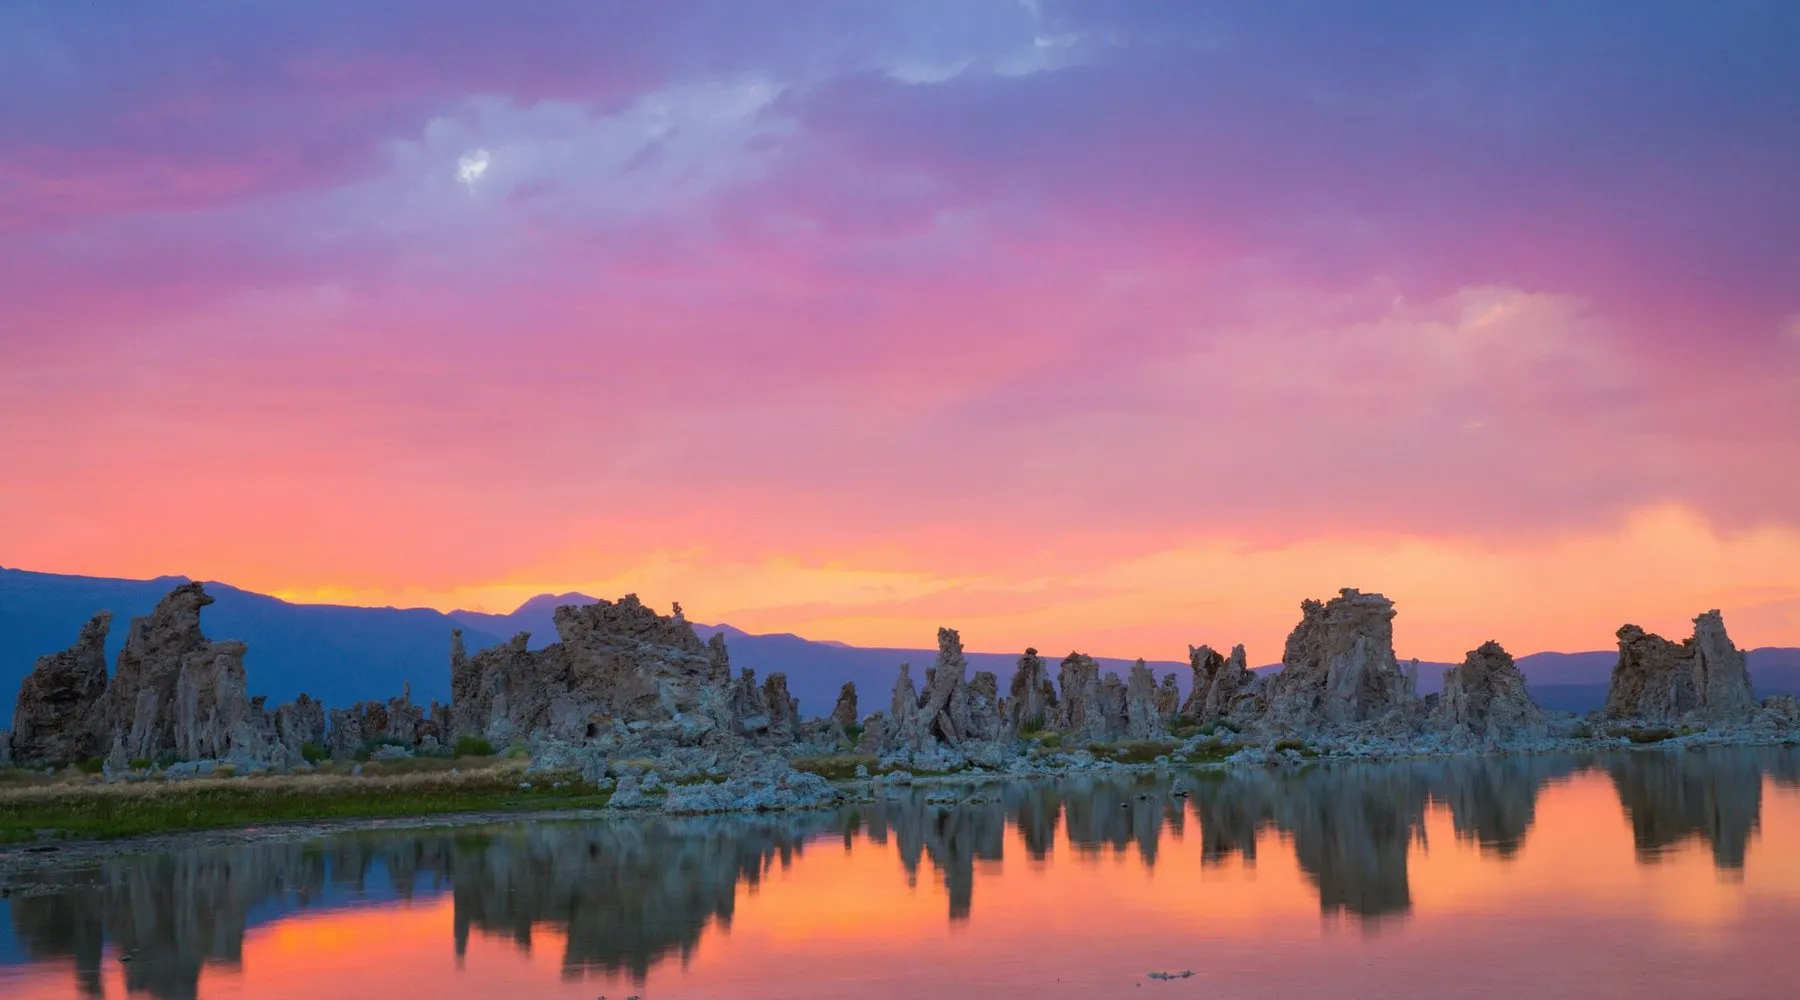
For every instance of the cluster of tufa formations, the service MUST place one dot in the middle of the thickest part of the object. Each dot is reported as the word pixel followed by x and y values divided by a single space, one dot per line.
pixel 626 683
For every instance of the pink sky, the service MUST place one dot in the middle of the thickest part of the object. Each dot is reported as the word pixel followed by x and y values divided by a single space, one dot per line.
pixel 1110 328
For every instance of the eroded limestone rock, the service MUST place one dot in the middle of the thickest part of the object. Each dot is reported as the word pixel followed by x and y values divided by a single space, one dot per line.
pixel 1485 699
pixel 1168 697
pixel 1704 677
pixel 900 729
pixel 1339 670
pixel 843 714
pixel 984 721
pixel 214 719
pixel 57 715
pixel 616 663
pixel 1143 720
pixel 176 692
pixel 1223 687
pixel 1081 712
pixel 1032 702
pixel 784 709
pixel 944 704
pixel 297 723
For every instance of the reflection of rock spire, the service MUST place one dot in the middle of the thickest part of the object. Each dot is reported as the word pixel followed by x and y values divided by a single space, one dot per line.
pixel 1668 797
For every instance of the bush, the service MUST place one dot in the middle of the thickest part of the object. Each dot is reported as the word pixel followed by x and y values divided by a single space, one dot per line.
pixel 855 732
pixel 1031 725
pixel 312 753
pixel 369 747
pixel 472 746
pixel 1298 746
pixel 1134 751
pixel 1654 734
pixel 140 763
pixel 1210 751
pixel 92 765
pixel 836 767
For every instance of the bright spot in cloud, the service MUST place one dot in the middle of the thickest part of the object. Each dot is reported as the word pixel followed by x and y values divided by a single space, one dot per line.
pixel 471 166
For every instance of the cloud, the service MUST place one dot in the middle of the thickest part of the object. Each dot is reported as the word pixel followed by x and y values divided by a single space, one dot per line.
pixel 1049 288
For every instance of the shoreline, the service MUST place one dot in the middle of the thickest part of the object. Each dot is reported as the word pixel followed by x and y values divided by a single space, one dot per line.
pixel 1249 756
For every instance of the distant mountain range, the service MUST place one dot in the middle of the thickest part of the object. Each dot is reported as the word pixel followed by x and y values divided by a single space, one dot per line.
pixel 343 654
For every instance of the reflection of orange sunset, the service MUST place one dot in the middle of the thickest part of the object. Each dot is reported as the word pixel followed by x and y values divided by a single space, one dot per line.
pixel 837 921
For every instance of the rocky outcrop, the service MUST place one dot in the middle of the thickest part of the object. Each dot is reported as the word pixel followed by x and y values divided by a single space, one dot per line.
pixel 177 693
pixel 1082 711
pixel 396 722
pixel 213 715
pixel 57 714
pixel 1222 687
pixel 297 723
pixel 901 729
pixel 1032 702
pixel 1338 669
pixel 616 663
pixel 984 722
pixel 1485 699
pixel 1112 706
pixel 1703 678
pixel 1142 719
pixel 843 714
pixel 1168 697
pixel 944 704
pixel 783 708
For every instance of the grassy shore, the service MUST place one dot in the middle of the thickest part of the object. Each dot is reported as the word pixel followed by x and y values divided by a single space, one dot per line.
pixel 36 807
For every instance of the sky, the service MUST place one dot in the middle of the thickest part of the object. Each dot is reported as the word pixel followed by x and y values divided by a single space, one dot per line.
pixel 1100 326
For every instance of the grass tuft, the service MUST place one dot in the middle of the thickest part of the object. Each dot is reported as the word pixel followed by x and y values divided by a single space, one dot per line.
pixel 472 746
pixel 835 766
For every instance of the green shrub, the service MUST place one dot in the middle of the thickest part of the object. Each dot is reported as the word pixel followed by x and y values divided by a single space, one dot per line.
pixel 92 765
pixel 855 732
pixel 1133 751
pixel 472 746
pixel 1032 725
pixel 312 753
pixel 1209 751
pixel 368 747
pixel 140 763
pixel 835 767
pixel 1298 746
pixel 1048 740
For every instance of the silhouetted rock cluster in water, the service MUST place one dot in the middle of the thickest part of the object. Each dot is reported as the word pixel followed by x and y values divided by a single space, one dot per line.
pixel 626 895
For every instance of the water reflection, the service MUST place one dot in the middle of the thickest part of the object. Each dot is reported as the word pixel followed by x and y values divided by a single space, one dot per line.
pixel 622 898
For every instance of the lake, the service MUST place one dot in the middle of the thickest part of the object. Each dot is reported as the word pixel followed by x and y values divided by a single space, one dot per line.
pixel 1647 874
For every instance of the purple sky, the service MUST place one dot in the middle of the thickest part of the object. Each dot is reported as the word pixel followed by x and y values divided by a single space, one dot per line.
pixel 1112 325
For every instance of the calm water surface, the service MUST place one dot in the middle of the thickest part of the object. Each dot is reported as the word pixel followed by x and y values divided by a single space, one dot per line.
pixel 1637 875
